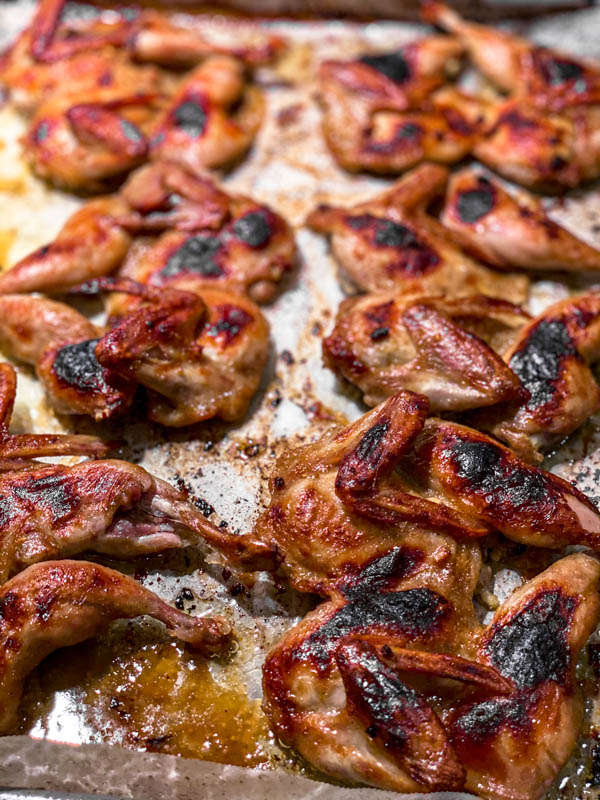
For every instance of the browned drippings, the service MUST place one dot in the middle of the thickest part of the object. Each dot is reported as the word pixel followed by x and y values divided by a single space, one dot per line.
pixel 154 697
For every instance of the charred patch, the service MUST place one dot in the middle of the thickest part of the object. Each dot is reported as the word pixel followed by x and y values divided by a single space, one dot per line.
pixel 484 720
pixel 556 71
pixel 254 229
pixel 130 131
pixel 198 254
pixel 473 204
pixel 490 474
pixel 377 334
pixel 230 323
pixel 393 65
pixel 411 613
pixel 531 647
pixel 383 571
pixel 51 493
pixel 368 450
pixel 415 256
pixel 77 366
pixel 191 117
pixel 538 362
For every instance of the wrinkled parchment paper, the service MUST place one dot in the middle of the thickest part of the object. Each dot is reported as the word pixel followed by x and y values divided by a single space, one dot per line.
pixel 291 169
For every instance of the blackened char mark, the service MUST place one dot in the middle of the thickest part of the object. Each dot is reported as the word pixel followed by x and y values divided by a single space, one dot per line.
pixel 53 493
pixel 411 614
pixel 554 70
pixel 489 473
pixel 383 571
pixel 476 203
pixel 393 65
pixel 254 228
pixel 482 721
pixel 76 365
pixel 415 257
pixel 198 254
pixel 230 323
pixel 538 363
pixel 191 117
pixel 531 647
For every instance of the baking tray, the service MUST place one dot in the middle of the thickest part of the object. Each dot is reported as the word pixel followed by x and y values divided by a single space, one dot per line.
pixel 68 699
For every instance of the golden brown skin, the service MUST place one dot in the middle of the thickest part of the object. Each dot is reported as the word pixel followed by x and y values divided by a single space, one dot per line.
pixel 17 450
pixel 199 356
pixel 444 349
pixel 354 494
pixel 212 119
pixel 550 79
pixel 392 683
pixel 213 240
pixel 510 231
pixel 62 603
pixel 60 342
pixel 89 245
pixel 112 507
pixel 206 238
pixel 381 114
pixel 551 356
pixel 390 243
pixel 513 747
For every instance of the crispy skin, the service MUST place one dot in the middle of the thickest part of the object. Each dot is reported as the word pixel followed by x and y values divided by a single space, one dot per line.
pixel 380 113
pixel 551 356
pixel 392 683
pixel 53 511
pixel 550 79
pixel 510 232
pixel 199 356
pixel 61 343
pixel 359 491
pixel 391 243
pixel 58 604
pixel 212 119
pixel 444 349
pixel 206 238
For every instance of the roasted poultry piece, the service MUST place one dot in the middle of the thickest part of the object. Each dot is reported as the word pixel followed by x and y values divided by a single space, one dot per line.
pixel 544 134
pixel 392 683
pixel 551 357
pixel 61 603
pixel 55 511
pixel 358 492
pixel 199 356
pixel 205 238
pixel 510 232
pixel 60 342
pixel 548 78
pixel 381 113
pixel 97 114
pixel 448 350
pixel 17 450
pixel 391 243
pixel 212 119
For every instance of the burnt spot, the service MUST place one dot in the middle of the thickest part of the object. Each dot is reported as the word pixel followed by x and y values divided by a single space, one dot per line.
pixel 198 254
pixel 41 131
pixel 7 511
pixel 473 204
pixel 370 446
pixel 44 601
pixel 76 365
pixel 52 493
pixel 484 720
pixel 555 70
pixel 531 647
pixel 254 228
pixel 383 571
pixel 379 696
pixel 412 613
pixel 230 323
pixel 415 256
pixel 489 473
pixel 377 334
pixel 190 117
pixel 393 65
pixel 538 362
